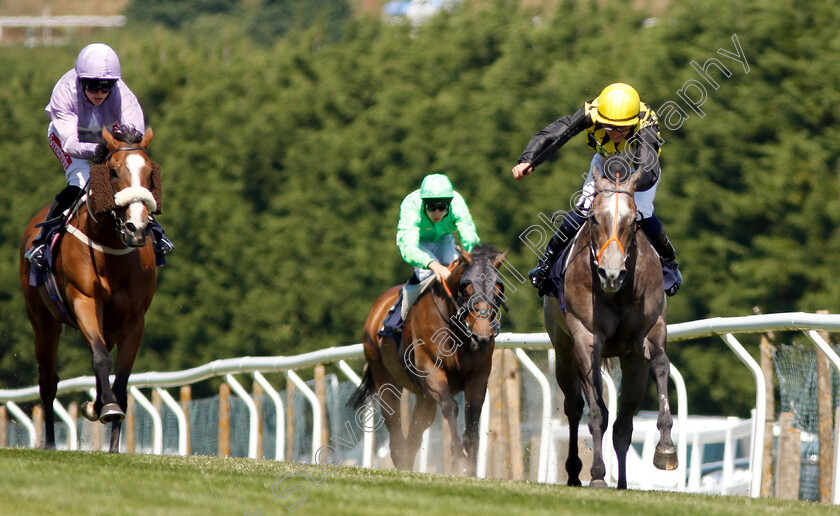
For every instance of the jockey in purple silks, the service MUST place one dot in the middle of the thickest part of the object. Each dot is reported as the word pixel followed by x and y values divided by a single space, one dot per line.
pixel 89 97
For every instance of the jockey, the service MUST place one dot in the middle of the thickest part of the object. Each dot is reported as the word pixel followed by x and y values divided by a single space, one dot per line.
pixel 616 121
pixel 429 219
pixel 87 98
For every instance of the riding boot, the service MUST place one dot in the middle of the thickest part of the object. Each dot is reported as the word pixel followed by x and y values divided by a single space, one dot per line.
pixel 553 250
pixel 163 245
pixel 667 254
pixel 55 217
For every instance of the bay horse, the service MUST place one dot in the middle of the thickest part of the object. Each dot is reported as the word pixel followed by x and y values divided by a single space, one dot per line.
pixel 615 307
pixel 105 274
pixel 447 347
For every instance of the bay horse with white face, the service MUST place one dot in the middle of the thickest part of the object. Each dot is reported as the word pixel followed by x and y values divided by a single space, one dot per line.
pixel 448 342
pixel 104 271
pixel 615 307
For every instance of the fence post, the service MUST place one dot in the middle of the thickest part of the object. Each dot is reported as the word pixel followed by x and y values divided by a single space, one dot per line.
pixel 186 397
pixel 788 459
pixel 290 420
pixel 766 348
pixel 511 378
pixel 4 419
pixel 38 423
pixel 257 395
pixel 321 394
pixel 496 448
pixel 224 420
pixel 824 422
pixel 129 432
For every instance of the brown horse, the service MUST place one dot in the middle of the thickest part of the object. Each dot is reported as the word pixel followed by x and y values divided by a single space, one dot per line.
pixel 105 272
pixel 447 347
pixel 615 307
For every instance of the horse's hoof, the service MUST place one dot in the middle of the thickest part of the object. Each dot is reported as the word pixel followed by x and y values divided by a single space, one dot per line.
pixel 574 482
pixel 111 413
pixel 89 411
pixel 598 484
pixel 665 459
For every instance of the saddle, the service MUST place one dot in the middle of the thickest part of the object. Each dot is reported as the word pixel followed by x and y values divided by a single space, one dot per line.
pixel 394 321
pixel 37 276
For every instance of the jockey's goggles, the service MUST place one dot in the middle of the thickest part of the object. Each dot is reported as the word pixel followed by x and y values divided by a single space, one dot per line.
pixel 619 128
pixel 95 85
pixel 436 205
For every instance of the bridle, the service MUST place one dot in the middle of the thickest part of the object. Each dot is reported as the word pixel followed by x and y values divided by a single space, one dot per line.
pixel 596 256
pixel 460 304
pixel 144 195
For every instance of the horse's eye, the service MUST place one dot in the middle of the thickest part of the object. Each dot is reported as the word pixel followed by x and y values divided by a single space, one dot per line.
pixel 114 174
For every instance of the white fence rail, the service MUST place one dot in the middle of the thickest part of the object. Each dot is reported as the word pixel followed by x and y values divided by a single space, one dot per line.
pixel 723 327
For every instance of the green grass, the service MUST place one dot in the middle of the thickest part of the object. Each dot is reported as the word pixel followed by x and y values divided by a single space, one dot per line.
pixel 80 483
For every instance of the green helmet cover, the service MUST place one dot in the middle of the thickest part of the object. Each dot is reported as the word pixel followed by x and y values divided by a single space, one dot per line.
pixel 436 186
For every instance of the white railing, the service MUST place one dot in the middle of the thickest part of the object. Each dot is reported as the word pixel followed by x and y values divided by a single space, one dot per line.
pixel 723 327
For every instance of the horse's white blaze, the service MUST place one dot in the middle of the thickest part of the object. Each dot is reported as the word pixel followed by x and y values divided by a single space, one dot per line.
pixel 136 196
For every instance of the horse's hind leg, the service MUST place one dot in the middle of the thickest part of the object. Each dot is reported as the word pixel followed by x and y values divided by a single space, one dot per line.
pixel 665 456
pixel 47 332
pixel 634 378
pixel 389 397
pixel 438 388
pixel 422 417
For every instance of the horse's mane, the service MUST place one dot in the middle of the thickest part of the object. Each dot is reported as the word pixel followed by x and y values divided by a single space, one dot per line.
pixel 485 251
pixel 123 133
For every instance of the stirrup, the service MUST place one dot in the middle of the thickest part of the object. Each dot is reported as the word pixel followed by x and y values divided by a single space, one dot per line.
pixel 36 257
pixel 163 247
pixel 674 267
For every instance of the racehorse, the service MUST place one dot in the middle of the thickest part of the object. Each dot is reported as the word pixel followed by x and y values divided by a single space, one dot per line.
pixel 447 347
pixel 105 275
pixel 615 307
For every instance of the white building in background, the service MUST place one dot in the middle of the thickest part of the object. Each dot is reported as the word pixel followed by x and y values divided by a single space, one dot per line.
pixel 415 11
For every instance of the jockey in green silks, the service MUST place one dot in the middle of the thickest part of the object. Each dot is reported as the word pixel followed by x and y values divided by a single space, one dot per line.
pixel 429 219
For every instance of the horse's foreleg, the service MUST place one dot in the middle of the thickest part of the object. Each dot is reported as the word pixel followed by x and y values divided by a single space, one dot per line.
pixel 634 377
pixel 46 347
pixel 665 456
pixel 474 393
pixel 573 405
pixel 126 354
pixel 105 407
pixel 590 374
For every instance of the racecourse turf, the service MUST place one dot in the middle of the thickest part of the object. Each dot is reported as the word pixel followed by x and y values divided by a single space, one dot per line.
pixel 81 483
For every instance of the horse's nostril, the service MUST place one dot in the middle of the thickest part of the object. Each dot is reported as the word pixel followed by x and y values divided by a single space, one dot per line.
pixel 130 226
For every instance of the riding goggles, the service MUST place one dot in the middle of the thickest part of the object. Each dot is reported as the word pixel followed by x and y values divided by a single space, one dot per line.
pixel 437 205
pixel 95 85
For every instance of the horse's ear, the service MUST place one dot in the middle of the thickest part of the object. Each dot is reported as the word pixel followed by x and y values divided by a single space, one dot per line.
pixel 465 255
pixel 147 138
pixel 110 141
pixel 499 259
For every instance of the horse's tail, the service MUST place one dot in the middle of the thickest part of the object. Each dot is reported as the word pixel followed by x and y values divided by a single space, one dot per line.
pixel 363 391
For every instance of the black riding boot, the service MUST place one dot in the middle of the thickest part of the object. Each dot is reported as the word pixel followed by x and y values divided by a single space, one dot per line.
pixel 553 250
pixel 63 201
pixel 667 254
pixel 163 245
